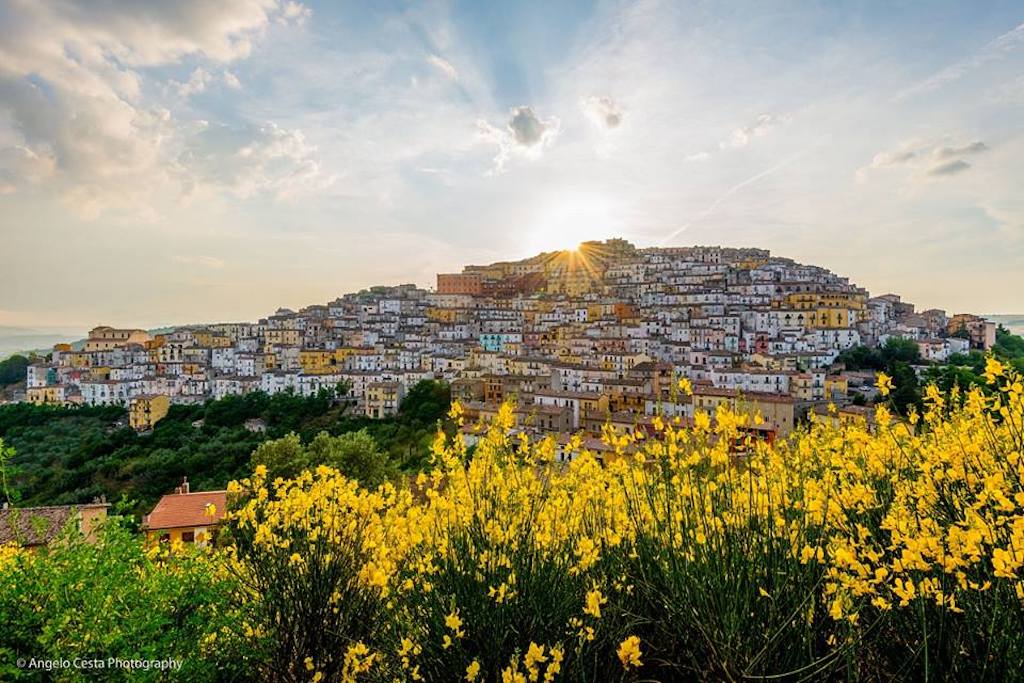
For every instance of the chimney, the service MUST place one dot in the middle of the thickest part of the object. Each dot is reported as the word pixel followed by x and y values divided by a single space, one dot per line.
pixel 184 485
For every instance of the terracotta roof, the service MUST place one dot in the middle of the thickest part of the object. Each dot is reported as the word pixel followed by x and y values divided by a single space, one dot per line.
pixel 187 509
pixel 38 525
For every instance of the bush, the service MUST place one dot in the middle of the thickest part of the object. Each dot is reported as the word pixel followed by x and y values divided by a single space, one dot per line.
pixel 313 555
pixel 113 598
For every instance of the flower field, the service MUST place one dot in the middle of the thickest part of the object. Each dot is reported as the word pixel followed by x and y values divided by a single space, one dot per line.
pixel 889 551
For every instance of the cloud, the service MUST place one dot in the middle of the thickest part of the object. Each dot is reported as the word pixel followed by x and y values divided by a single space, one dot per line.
pixel 73 88
pixel 200 260
pixel 926 158
pixel 743 135
pixel 527 128
pixel 949 168
pixel 949 152
pixel 201 79
pixel 231 80
pixel 444 66
pixel 602 111
pixel 294 11
pixel 196 83
pixel 994 50
pixel 525 134
pixel 897 158
pixel 250 161
pixel 23 166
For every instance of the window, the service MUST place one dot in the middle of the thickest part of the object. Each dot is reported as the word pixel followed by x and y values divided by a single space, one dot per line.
pixel 188 537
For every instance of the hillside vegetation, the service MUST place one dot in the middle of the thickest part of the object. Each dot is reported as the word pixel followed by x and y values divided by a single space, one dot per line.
pixel 73 455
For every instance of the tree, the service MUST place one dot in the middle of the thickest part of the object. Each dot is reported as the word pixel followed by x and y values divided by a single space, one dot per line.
pixel 6 454
pixel 900 350
pixel 13 369
pixel 895 358
pixel 426 402
pixel 354 454
pixel 945 377
pixel 860 358
pixel 906 390
pixel 285 457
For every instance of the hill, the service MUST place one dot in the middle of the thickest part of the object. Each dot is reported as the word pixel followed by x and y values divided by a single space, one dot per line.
pixel 73 455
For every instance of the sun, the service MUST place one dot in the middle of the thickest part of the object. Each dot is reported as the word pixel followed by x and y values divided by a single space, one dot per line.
pixel 564 224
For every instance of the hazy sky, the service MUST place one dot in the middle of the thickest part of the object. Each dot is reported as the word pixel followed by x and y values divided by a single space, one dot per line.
pixel 185 161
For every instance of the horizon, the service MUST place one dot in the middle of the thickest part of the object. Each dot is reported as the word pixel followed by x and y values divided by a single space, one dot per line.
pixel 150 325
pixel 58 330
pixel 192 162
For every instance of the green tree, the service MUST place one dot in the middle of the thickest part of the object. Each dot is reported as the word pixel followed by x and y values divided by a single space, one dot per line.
pixel 895 358
pixel 6 454
pixel 285 457
pixel 906 388
pixel 13 369
pixel 900 350
pixel 426 402
pixel 354 454
pixel 69 455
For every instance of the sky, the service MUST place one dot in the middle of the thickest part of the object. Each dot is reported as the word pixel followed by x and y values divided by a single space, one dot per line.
pixel 192 161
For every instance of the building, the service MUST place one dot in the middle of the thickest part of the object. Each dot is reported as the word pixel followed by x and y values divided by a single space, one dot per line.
pixel 383 399
pixel 186 517
pixel 146 410
pixel 54 395
pixel 578 339
pixel 460 283
pixel 778 411
pixel 979 331
pixel 38 526
pixel 841 416
pixel 104 338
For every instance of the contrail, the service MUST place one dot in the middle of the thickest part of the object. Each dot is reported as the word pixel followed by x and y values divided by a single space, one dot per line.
pixel 997 48
pixel 728 193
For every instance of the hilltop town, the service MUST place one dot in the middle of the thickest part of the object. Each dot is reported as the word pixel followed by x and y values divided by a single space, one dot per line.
pixel 580 338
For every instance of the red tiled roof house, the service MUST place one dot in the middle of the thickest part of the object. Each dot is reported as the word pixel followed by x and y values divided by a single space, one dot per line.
pixel 36 527
pixel 186 517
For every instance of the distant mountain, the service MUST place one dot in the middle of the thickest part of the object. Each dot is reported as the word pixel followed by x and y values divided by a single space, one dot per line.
pixel 1014 322
pixel 23 339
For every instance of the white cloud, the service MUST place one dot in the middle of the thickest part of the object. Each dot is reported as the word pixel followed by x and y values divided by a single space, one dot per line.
pixel 927 158
pixel 21 166
pixel 196 83
pixel 896 158
pixel 73 89
pixel 602 111
pixel 201 80
pixel 525 134
pixel 294 11
pixel 444 66
pixel 743 135
pixel 251 161
pixel 231 80
pixel 199 260
pixel 949 168
pixel 975 147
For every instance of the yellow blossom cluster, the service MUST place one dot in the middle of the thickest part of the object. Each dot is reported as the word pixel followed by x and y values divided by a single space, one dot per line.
pixel 9 552
pixel 891 513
